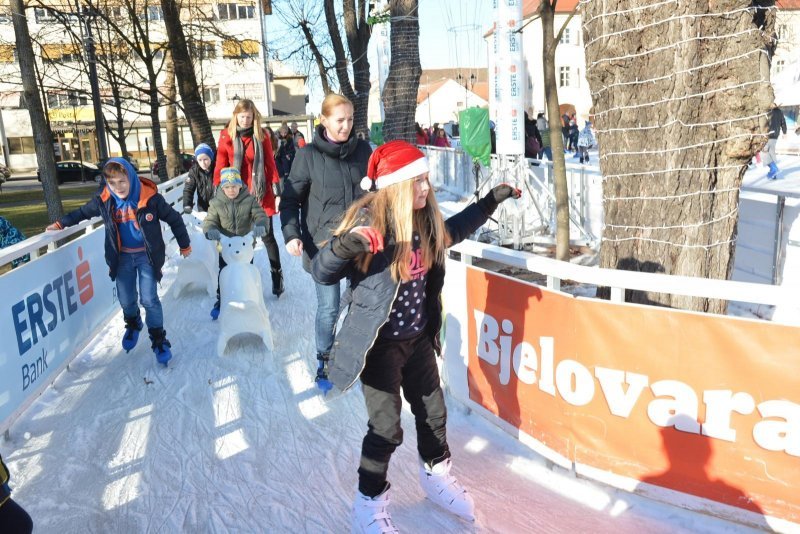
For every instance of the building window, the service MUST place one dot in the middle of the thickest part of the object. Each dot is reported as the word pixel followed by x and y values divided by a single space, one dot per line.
pixel 210 95
pixel 61 53
pixel 249 48
pixel 203 49
pixel 21 145
pixel 43 15
pixel 565 38
pixel 782 32
pixel 238 91
pixel 780 64
pixel 155 13
pixel 235 11
pixel 563 77
pixel 66 100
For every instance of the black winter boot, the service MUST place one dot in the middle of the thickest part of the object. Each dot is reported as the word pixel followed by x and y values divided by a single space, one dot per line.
pixel 132 327
pixel 322 372
pixel 277 281
pixel 160 345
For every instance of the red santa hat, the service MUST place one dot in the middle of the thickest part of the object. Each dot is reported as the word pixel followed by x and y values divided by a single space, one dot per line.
pixel 392 163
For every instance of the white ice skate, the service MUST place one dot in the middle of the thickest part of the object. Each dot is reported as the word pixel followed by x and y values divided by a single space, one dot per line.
pixel 370 515
pixel 442 488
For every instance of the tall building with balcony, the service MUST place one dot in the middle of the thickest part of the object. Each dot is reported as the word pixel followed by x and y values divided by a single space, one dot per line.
pixel 224 39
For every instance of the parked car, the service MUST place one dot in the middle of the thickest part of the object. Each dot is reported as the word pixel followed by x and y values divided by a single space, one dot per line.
pixel 187 160
pixel 133 161
pixel 70 171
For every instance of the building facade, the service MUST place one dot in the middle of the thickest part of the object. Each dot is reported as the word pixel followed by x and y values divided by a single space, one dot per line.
pixel 224 40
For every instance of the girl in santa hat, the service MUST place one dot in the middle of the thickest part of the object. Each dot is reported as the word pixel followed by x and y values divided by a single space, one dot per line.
pixel 391 246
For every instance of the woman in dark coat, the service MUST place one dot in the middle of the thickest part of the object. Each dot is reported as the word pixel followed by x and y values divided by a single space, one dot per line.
pixel 323 183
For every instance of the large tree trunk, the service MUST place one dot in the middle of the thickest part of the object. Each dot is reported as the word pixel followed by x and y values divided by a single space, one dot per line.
pixel 674 107
pixel 43 139
pixel 358 34
pixel 174 166
pixel 191 99
pixel 158 144
pixel 549 44
pixel 402 84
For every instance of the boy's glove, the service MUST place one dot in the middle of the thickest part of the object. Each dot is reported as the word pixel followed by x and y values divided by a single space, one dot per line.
pixel 259 231
pixel 187 210
pixel 213 234
pixel 359 240
pixel 496 195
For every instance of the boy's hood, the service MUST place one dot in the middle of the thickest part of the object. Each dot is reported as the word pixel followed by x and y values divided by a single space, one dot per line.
pixel 141 189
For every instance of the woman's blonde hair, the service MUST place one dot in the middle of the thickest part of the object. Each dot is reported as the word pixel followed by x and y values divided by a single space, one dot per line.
pixel 391 212
pixel 246 104
pixel 332 100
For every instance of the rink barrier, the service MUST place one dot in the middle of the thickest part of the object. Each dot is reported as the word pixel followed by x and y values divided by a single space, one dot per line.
pixel 479 386
pixel 54 305
pixel 616 392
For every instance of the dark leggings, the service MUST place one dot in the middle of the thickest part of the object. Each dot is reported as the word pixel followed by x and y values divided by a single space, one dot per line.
pixel 14 519
pixel 273 253
pixel 409 365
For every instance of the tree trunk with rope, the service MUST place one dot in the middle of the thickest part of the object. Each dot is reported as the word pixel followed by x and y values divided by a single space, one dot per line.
pixel 681 93
pixel 402 84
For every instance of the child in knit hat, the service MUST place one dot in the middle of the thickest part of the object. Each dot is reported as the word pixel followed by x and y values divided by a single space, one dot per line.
pixel 391 245
pixel 232 211
pixel 200 179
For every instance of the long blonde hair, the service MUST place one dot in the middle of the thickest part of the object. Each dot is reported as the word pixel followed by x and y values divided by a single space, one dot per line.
pixel 246 104
pixel 391 212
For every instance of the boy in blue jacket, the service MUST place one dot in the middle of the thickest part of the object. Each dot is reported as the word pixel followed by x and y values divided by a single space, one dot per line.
pixel 132 211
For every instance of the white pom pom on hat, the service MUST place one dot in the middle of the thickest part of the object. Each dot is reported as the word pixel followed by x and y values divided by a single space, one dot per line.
pixel 392 163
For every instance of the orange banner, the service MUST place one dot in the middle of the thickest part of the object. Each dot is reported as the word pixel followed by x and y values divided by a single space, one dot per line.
pixel 702 404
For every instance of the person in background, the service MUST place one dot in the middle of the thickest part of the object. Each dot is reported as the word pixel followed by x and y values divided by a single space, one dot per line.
pixel 298 137
pixel 13 517
pixel 200 178
pixel 323 183
pixel 286 151
pixel 422 137
pixel 391 245
pixel 132 210
pixel 777 125
pixel 441 139
pixel 585 142
pixel 245 145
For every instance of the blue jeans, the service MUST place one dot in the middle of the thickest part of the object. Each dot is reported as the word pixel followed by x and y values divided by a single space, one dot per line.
pixel 327 313
pixel 132 266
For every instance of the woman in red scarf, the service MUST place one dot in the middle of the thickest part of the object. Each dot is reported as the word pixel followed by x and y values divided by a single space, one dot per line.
pixel 248 147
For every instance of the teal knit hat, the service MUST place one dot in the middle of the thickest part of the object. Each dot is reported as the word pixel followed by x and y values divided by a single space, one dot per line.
pixel 230 176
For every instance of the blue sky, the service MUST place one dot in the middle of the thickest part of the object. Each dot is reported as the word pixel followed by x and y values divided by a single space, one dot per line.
pixel 451 35
pixel 451 32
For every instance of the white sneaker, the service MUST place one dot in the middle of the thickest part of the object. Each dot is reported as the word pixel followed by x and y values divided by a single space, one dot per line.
pixel 442 488
pixel 370 515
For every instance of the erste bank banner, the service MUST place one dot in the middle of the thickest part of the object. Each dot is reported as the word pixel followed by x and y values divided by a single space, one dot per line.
pixel 701 404
pixel 50 307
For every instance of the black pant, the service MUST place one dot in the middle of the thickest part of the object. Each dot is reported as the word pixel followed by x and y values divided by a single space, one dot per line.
pixel 409 364
pixel 14 519
pixel 271 246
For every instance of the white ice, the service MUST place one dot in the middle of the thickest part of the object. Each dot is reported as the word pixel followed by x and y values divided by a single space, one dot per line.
pixel 245 443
